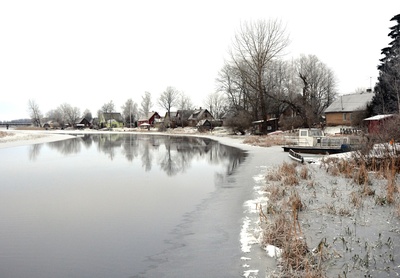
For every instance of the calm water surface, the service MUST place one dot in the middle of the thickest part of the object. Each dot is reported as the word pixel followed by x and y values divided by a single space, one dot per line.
pixel 99 205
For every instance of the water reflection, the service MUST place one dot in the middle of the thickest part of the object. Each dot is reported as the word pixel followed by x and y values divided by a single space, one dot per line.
pixel 173 154
pixel 103 203
pixel 34 151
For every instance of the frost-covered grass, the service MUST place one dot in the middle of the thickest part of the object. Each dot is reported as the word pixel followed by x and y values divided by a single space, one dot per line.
pixel 340 219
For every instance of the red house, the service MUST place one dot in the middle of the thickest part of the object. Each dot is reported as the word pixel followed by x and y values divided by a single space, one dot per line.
pixel 149 119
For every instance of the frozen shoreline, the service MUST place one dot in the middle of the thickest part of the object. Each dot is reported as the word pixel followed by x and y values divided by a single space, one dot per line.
pixel 253 257
pixel 17 138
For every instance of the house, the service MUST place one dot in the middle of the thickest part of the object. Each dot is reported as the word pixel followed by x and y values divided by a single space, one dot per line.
pixel 83 123
pixel 170 119
pixel 198 115
pixel 344 110
pixel 182 117
pixel 112 118
pixel 373 123
pixel 51 125
pixel 150 118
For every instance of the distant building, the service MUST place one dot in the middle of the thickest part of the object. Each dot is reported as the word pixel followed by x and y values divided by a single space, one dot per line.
pixel 83 123
pixel 113 118
pixel 150 119
pixel 170 119
pixel 342 110
pixel 198 115
pixel 260 127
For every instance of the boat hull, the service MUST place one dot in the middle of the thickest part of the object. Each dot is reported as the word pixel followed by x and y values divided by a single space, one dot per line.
pixel 317 150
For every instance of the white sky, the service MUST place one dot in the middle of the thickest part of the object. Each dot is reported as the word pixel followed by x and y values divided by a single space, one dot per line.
pixel 88 52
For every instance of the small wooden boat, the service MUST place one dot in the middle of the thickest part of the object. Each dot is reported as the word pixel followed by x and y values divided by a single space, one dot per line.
pixel 317 150
pixel 301 158
pixel 296 156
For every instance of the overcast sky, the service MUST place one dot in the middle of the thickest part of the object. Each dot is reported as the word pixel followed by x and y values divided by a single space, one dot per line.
pixel 88 52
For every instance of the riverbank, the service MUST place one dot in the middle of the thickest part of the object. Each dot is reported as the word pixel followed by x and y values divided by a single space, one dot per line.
pixel 15 138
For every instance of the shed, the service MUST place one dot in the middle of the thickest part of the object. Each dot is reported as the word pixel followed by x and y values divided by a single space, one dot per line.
pixel 376 121
pixel 270 125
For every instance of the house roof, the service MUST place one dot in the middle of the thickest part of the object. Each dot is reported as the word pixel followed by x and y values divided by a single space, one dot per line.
pixel 80 120
pixel 149 115
pixel 378 117
pixel 113 115
pixel 350 103
pixel 203 122
pixel 171 114
pixel 197 114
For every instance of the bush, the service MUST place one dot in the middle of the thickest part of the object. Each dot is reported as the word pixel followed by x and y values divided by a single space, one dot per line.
pixel 240 122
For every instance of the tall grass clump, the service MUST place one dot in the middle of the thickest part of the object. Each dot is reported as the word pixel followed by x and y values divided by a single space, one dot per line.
pixel 4 134
pixel 289 174
pixel 304 172
pixel 282 227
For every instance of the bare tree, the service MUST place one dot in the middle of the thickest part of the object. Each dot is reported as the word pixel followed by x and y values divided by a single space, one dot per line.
pixel 318 88
pixel 70 114
pixel 146 104
pixel 130 111
pixel 168 99
pixel 87 114
pixel 107 109
pixel 231 83
pixel 35 113
pixel 184 102
pixel 255 45
pixel 217 104
pixel 56 116
pixel 185 106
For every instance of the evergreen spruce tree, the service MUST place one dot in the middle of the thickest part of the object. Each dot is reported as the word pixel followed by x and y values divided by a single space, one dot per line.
pixel 387 89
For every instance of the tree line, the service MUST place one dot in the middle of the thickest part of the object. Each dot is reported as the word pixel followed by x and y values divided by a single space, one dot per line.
pixel 67 115
pixel 257 83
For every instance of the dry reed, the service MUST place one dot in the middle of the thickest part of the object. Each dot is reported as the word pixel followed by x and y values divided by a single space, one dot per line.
pixel 355 199
pixel 304 172
pixel 29 128
pixel 265 140
pixel 4 134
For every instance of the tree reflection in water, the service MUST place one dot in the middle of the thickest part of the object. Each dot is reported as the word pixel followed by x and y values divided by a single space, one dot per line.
pixel 173 154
